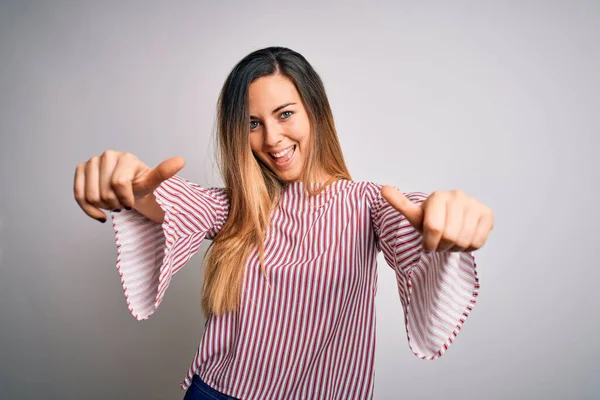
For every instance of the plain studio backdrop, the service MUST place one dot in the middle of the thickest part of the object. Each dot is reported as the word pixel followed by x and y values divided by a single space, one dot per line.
pixel 499 99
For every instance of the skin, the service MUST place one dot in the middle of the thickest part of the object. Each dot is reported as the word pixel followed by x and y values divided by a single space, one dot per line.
pixel 447 220
pixel 116 180
pixel 278 120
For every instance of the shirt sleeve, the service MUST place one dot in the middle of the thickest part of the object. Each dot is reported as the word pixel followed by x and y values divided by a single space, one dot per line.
pixel 149 253
pixel 437 290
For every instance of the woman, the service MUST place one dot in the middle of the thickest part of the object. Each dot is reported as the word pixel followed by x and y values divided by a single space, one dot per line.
pixel 290 276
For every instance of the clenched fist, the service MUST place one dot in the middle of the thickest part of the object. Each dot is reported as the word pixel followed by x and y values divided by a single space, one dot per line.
pixel 448 220
pixel 116 180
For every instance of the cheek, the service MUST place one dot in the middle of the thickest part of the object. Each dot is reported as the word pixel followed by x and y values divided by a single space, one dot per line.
pixel 256 147
pixel 255 142
pixel 302 131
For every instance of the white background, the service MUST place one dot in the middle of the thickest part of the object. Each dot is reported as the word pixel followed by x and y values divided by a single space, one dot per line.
pixel 499 99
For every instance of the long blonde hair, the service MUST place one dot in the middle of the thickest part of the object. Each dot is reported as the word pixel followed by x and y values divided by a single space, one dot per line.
pixel 252 188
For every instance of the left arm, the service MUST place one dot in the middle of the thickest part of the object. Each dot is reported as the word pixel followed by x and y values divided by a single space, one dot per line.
pixel 428 241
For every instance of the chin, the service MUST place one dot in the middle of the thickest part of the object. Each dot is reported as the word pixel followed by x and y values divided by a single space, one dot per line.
pixel 288 177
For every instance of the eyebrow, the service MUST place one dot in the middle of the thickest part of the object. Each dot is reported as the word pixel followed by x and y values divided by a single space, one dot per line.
pixel 281 107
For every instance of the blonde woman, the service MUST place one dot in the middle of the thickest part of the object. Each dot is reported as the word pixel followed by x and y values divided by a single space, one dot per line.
pixel 290 275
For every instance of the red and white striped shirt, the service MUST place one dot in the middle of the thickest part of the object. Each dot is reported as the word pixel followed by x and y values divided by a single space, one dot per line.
pixel 309 332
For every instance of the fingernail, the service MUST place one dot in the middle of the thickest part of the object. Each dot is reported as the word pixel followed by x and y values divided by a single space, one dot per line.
pixel 128 208
pixel 117 210
pixel 103 220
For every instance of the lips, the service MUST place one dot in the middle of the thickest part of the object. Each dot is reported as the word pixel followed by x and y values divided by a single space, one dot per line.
pixel 279 154
pixel 284 157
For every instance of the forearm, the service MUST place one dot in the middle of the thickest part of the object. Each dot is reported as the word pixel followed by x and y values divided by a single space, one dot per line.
pixel 148 207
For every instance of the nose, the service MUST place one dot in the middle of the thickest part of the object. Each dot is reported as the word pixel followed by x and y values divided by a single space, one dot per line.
pixel 273 133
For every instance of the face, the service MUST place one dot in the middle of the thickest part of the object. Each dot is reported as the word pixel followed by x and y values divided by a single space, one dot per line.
pixel 279 126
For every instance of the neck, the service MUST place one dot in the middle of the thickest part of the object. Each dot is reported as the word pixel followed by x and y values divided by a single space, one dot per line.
pixel 321 178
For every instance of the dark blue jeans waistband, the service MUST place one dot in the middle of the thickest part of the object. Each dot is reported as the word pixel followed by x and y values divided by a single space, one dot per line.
pixel 199 390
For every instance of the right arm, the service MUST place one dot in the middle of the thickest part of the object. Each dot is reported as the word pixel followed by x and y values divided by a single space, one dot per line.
pixel 148 207
pixel 150 253
pixel 159 220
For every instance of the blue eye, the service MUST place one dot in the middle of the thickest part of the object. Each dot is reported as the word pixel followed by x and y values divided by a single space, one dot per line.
pixel 283 115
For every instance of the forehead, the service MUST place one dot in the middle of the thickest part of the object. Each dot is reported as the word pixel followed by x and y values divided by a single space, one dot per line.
pixel 271 91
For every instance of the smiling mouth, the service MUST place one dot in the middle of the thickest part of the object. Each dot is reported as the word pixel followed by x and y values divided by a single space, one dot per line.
pixel 284 157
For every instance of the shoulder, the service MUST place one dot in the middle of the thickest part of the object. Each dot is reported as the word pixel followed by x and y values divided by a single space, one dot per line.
pixel 369 192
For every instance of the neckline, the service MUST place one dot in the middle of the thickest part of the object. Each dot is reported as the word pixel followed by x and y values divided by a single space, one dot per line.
pixel 301 185
pixel 298 190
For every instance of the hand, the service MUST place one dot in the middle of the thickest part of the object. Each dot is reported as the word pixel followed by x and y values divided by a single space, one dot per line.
pixel 448 221
pixel 115 180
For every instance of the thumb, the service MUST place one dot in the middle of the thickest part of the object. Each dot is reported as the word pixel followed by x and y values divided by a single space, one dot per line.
pixel 163 171
pixel 413 212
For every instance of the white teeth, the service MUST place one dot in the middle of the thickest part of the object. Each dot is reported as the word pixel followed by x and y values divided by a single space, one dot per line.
pixel 283 153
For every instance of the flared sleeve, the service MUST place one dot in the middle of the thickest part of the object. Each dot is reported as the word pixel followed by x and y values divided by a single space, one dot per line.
pixel 437 290
pixel 149 253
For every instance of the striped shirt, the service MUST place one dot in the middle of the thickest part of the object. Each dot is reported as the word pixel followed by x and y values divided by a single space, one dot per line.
pixel 309 331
